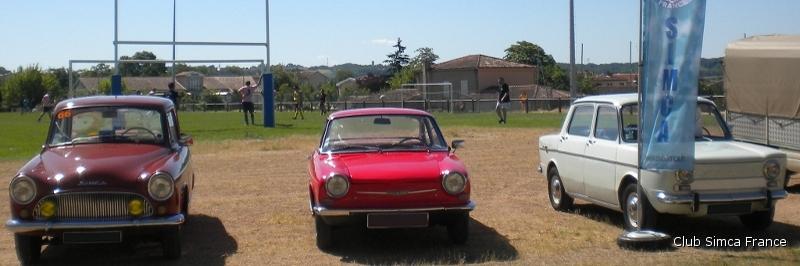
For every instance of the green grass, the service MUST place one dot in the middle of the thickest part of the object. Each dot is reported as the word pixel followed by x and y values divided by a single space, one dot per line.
pixel 21 136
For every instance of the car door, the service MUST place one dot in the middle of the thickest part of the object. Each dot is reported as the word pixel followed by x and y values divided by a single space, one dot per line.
pixel 573 144
pixel 601 153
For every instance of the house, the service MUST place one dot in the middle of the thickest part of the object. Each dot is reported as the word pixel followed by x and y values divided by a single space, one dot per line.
pixel 474 74
pixel 616 83
pixel 313 78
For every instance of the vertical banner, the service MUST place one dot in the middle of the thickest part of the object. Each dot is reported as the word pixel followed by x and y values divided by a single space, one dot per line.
pixel 672 39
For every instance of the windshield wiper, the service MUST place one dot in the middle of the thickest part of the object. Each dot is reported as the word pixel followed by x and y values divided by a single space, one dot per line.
pixel 356 147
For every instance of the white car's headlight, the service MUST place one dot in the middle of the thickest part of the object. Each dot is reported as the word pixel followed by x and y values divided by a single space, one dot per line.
pixel 161 186
pixel 22 190
pixel 772 169
pixel 454 183
pixel 337 186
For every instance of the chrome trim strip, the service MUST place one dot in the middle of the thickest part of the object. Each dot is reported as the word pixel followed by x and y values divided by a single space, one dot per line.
pixel 589 157
pixel 666 198
pixel 322 211
pixel 396 193
pixel 596 201
pixel 19 226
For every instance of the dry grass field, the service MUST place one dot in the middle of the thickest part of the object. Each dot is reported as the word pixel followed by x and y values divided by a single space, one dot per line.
pixel 250 208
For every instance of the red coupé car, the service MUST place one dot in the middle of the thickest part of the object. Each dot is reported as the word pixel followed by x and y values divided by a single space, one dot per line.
pixel 111 168
pixel 387 168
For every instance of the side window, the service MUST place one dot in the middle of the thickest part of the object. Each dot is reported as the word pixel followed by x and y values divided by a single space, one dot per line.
pixel 630 123
pixel 581 122
pixel 606 127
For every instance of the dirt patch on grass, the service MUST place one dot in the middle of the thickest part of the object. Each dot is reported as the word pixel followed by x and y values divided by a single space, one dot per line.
pixel 251 208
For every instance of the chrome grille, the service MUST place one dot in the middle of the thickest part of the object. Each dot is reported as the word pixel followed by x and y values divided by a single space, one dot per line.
pixel 93 206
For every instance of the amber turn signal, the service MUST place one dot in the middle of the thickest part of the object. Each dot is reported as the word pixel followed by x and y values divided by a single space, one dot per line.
pixel 135 207
pixel 47 209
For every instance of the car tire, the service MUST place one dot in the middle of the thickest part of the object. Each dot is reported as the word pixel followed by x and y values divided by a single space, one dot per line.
pixel 458 228
pixel 171 243
pixel 324 233
pixel 759 220
pixel 559 199
pixel 638 213
pixel 29 248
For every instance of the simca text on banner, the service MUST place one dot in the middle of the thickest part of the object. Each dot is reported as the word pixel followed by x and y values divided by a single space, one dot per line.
pixel 672 39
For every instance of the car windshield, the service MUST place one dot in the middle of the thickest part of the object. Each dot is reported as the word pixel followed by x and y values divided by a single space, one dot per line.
pixel 710 125
pixel 382 132
pixel 107 125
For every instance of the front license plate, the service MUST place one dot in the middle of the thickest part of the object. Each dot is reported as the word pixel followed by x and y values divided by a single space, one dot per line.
pixel 92 237
pixel 397 220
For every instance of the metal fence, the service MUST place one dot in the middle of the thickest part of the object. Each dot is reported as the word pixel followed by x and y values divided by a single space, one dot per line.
pixel 454 106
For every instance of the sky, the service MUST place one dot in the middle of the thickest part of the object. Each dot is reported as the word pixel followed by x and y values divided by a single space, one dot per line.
pixel 319 32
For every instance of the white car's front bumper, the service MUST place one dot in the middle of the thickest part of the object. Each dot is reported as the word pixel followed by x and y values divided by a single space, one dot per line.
pixel 702 204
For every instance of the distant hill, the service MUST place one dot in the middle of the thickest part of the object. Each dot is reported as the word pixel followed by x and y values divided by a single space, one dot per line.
pixel 709 67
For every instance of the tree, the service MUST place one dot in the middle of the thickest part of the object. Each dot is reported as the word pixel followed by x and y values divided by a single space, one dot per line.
pixel 105 87
pixel 27 83
pixel 424 58
pixel 586 84
pixel 343 74
pixel 398 59
pixel 406 75
pixel 142 69
pixel 99 70
pixel 524 52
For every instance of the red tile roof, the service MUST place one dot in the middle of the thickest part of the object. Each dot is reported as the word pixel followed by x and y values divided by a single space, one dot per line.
pixel 479 61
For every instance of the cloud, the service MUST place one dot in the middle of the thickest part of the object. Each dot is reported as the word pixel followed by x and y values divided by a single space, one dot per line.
pixel 383 42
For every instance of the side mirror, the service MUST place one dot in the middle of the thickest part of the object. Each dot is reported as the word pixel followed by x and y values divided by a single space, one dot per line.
pixel 186 140
pixel 457 144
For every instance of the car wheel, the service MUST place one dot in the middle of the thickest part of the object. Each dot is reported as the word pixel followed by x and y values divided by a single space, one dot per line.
pixel 637 211
pixel 458 228
pixel 171 243
pixel 559 199
pixel 324 233
pixel 758 221
pixel 29 248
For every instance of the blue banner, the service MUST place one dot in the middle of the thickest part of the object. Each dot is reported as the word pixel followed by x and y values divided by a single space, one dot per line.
pixel 672 39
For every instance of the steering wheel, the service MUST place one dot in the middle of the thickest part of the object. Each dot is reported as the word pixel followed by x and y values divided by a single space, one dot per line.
pixel 140 128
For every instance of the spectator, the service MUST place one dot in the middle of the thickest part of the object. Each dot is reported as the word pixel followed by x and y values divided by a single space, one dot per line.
pixel 297 98
pixel 173 95
pixel 47 107
pixel 503 101
pixel 322 98
pixel 523 100
pixel 246 92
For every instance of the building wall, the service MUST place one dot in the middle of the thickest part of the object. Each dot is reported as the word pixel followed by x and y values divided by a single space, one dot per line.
pixel 487 77
pixel 463 80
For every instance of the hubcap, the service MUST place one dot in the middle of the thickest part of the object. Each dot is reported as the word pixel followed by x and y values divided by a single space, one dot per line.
pixel 634 211
pixel 555 190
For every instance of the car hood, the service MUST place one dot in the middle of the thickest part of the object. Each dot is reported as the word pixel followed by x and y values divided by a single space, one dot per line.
pixel 732 152
pixel 90 165
pixel 396 166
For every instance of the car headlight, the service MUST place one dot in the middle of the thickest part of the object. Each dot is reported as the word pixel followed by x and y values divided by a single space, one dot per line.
pixel 337 186
pixel 684 176
pixel 161 186
pixel 772 169
pixel 454 183
pixel 22 190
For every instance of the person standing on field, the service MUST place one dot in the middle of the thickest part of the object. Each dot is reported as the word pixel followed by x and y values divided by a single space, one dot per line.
pixel 47 107
pixel 503 101
pixel 322 98
pixel 297 98
pixel 246 93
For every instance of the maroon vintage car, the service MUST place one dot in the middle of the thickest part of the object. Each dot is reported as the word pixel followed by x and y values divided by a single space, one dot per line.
pixel 111 168
pixel 387 168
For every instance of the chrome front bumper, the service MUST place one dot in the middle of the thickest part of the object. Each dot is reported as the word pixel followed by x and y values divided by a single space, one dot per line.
pixel 322 211
pixel 19 226
pixel 768 195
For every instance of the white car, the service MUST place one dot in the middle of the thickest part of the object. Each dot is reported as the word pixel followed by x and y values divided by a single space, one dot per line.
pixel 594 158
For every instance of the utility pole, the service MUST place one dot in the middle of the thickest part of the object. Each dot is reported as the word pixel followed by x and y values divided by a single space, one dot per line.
pixel 572 83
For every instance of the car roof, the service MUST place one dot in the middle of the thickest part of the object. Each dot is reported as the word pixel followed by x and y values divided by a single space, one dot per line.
pixel 133 101
pixel 621 99
pixel 377 111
